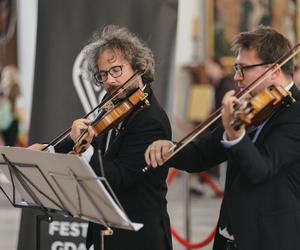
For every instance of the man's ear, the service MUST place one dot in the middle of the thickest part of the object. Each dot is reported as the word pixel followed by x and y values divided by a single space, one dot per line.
pixel 277 72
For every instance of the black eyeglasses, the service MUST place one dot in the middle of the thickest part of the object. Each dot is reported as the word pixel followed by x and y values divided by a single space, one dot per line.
pixel 238 68
pixel 114 71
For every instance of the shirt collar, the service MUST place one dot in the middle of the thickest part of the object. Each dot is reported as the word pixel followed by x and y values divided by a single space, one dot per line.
pixel 289 86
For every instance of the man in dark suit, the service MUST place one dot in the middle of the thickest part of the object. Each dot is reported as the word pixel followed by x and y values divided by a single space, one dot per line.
pixel 113 56
pixel 261 205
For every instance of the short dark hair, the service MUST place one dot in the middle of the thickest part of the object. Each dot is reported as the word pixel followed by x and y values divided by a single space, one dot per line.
pixel 269 44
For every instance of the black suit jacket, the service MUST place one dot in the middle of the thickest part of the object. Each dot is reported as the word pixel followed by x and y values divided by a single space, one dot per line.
pixel 142 195
pixel 261 203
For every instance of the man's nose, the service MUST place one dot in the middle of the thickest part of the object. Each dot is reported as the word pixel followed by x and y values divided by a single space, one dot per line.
pixel 110 79
pixel 237 76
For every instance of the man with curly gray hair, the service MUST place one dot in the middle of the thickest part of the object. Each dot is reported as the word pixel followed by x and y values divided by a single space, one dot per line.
pixel 113 56
pixel 139 56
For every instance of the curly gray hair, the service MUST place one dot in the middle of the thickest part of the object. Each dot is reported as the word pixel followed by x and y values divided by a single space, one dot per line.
pixel 132 48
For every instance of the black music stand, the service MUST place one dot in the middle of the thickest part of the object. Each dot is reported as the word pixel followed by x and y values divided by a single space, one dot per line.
pixel 60 184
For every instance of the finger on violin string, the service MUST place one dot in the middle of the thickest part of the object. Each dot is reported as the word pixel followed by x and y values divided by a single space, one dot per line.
pixel 88 133
pixel 241 104
pixel 231 105
pixel 92 131
pixel 243 108
pixel 80 124
pixel 229 100
pixel 82 130
pixel 236 106
pixel 79 128
pixel 85 124
pixel 248 108
pixel 83 121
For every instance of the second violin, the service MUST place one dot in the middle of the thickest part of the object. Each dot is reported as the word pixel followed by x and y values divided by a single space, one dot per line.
pixel 258 108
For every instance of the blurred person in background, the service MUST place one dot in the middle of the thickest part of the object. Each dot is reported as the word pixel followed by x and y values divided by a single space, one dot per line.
pixel 4 16
pixel 18 126
pixel 219 78
pixel 6 117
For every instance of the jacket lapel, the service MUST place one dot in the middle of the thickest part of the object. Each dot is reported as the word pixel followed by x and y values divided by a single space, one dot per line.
pixel 126 123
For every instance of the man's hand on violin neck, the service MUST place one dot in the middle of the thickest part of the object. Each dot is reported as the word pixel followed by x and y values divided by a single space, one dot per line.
pixel 229 115
pixel 79 126
pixel 157 153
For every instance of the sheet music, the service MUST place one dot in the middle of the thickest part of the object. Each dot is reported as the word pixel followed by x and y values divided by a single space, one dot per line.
pixel 70 183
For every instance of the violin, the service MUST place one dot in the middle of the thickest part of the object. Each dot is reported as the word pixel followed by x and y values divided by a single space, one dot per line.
pixel 114 113
pixel 269 100
pixel 112 109
pixel 257 109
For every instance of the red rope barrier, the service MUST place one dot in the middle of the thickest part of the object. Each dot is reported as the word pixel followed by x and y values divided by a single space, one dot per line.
pixel 209 238
pixel 172 173
pixel 171 176
pixel 187 127
pixel 190 245
pixel 212 184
